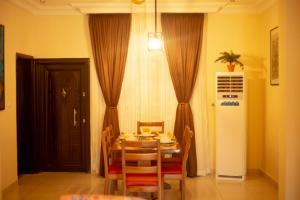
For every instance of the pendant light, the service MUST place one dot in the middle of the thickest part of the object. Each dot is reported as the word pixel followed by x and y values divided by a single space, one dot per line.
pixel 137 1
pixel 155 38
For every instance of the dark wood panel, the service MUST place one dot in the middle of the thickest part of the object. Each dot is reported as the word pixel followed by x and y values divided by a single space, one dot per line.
pixel 27 157
pixel 65 83
pixel 64 117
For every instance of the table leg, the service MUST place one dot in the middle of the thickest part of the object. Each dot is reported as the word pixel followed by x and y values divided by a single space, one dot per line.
pixel 167 186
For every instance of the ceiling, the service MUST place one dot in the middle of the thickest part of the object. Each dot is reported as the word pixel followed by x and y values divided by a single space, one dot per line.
pixel 77 7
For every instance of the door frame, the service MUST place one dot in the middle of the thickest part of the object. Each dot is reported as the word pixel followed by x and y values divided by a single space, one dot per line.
pixel 41 67
pixel 33 148
pixel 39 105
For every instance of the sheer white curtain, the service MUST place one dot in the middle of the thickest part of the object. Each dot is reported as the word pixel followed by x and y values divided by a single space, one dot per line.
pixel 148 94
pixel 147 91
pixel 200 112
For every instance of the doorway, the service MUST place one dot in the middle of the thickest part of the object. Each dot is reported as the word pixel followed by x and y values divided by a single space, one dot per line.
pixel 57 131
pixel 27 151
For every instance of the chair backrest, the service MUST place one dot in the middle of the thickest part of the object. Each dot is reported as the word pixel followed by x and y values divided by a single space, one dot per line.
pixel 186 144
pixel 106 143
pixel 154 126
pixel 143 152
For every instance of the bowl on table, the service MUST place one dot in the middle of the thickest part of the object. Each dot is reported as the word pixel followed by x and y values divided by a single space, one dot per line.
pixel 128 136
pixel 165 138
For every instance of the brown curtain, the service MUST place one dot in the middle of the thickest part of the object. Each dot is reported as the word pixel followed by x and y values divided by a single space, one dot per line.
pixel 183 37
pixel 110 38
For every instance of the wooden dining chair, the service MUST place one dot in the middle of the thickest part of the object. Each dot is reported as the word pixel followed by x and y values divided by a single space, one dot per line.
pixel 160 126
pixel 142 177
pixel 113 170
pixel 175 169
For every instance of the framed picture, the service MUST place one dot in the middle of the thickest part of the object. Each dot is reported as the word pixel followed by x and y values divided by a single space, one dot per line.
pixel 274 56
pixel 2 91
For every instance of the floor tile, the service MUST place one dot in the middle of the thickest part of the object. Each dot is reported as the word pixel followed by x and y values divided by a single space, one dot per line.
pixel 50 186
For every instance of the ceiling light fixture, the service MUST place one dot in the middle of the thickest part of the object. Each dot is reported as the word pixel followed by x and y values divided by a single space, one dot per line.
pixel 137 1
pixel 155 42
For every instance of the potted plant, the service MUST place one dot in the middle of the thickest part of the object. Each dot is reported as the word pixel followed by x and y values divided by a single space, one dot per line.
pixel 231 58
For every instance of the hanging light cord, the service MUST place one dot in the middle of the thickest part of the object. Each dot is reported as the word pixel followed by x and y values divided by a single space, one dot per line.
pixel 155 17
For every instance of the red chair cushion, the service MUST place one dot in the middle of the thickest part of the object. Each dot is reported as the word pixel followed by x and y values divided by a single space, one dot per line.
pixel 168 162
pixel 175 169
pixel 171 161
pixel 141 180
pixel 115 169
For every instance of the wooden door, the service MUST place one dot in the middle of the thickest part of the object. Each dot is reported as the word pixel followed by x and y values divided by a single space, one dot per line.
pixel 64 119
pixel 66 124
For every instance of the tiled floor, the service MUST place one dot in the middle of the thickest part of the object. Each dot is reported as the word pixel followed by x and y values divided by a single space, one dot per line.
pixel 49 186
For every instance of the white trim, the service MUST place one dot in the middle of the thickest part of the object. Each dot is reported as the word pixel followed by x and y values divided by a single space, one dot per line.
pixel 148 7
pixel 38 9
pixel 127 7
pixel 257 8
pixel 272 178
pixel 264 5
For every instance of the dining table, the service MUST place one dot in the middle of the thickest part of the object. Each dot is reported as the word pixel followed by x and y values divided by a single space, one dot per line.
pixel 168 142
pixel 96 197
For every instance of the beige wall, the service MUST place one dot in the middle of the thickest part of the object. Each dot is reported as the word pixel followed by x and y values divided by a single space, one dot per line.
pixel 289 151
pixel 241 34
pixel 0 174
pixel 67 36
pixel 18 38
pixel 282 133
pixel 272 106
pixel 41 37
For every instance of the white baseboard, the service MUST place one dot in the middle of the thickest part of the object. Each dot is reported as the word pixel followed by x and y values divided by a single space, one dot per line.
pixel 255 172
pixel 271 178
pixel 204 172
pixel 8 187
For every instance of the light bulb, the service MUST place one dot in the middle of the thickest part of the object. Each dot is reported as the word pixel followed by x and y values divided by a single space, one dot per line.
pixel 155 42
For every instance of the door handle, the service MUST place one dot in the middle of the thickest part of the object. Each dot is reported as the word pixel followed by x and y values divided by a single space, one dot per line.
pixel 74 117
